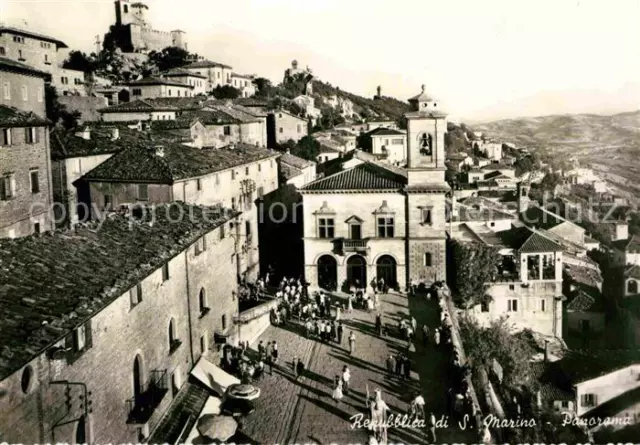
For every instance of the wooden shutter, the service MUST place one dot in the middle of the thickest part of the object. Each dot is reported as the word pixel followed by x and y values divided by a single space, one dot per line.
pixel 3 189
pixel 36 134
pixel 88 341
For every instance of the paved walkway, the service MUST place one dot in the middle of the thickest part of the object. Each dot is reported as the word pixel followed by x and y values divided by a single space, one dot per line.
pixel 303 411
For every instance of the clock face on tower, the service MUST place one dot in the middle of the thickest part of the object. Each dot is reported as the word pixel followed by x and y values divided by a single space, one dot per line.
pixel 426 144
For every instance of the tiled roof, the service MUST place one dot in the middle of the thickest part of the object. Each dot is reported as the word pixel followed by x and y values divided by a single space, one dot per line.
pixel 494 166
pixel 457 156
pixel 33 35
pixel 22 68
pixel 65 144
pixel 241 114
pixel 251 102
pixel 180 103
pixel 382 131
pixel 280 110
pixel 481 214
pixel 178 162
pixel 138 105
pixel 583 302
pixel 525 240
pixel 325 148
pixel 12 117
pixel 579 366
pixel 289 171
pixel 550 389
pixel 541 218
pixel 242 76
pixel 205 64
pixel 587 279
pixel 632 271
pixel 630 245
pixel 211 117
pixel 366 176
pixel 52 283
pixel 613 407
pixel 295 161
pixel 153 80
pixel 179 72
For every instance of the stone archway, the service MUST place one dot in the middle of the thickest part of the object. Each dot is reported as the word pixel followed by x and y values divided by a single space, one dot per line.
pixel 327 272
pixel 357 270
pixel 387 269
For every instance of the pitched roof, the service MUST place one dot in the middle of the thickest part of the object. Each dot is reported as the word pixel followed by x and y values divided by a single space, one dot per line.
pixel 525 240
pixel 154 80
pixel 280 110
pixel 11 65
pixel 242 76
pixel 581 302
pixel 145 105
pixel 205 64
pixel 466 213
pixel 180 103
pixel 587 279
pixel 541 218
pixel 632 271
pixel 382 131
pixel 422 97
pixel 497 166
pixel 65 144
pixel 289 171
pixel 52 283
pixel 579 366
pixel 295 161
pixel 12 117
pixel 180 72
pixel 240 113
pixel 141 163
pixel 252 102
pixel 33 35
pixel 630 245
pixel 457 156
pixel 366 176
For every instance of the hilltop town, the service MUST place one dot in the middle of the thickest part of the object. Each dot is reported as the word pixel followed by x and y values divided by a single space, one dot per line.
pixel 166 221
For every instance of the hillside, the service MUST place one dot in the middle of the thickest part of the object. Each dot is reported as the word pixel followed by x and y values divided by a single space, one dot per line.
pixel 608 144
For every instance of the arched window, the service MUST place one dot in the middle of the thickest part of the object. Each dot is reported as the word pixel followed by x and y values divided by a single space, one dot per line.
pixel 426 143
pixel 126 9
pixel 632 287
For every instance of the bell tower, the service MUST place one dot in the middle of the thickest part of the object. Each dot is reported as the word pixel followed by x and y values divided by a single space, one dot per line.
pixel 426 190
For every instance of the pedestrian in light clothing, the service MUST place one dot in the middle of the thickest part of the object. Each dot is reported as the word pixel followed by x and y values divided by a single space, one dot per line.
pixel 391 365
pixel 275 351
pixel 346 376
pixel 432 429
pixel 352 343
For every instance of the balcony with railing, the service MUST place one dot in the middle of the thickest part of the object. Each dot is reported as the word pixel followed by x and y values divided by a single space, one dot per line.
pixel 354 245
pixel 141 407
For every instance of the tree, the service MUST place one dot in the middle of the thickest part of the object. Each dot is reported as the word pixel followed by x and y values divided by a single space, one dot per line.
pixel 170 57
pixel 57 112
pixel 264 87
pixel 551 181
pixel 474 265
pixel 226 92
pixel 79 61
pixel 307 148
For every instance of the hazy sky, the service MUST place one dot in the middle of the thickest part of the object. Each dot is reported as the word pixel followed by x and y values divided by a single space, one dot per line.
pixel 483 59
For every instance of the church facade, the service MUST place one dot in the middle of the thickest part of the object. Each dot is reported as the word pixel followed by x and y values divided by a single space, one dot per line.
pixel 373 220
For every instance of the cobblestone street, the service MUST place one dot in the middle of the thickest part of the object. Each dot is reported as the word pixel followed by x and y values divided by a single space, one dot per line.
pixel 303 411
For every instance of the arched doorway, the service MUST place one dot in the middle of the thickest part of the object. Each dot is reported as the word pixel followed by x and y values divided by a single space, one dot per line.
pixel 387 270
pixel 81 431
pixel 357 270
pixel 327 272
pixel 138 385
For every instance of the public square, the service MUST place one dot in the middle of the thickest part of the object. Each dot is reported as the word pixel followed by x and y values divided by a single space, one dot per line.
pixel 302 411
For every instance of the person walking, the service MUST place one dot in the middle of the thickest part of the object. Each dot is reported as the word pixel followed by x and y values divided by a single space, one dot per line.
pixel 425 335
pixel 436 337
pixel 399 366
pixel 432 429
pixel 327 331
pixel 391 365
pixel 350 304
pixel 340 332
pixel 337 390
pixel 275 352
pixel 407 367
pixel 346 376
pixel 299 369
pixel 334 332
pixel 260 348
pixel 352 343
pixel 270 363
pixel 379 325
pixel 414 324
pixel 294 365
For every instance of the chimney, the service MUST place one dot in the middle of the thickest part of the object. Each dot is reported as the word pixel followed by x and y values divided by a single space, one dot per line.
pixel 546 351
pixel 86 134
pixel 115 134
pixel 160 151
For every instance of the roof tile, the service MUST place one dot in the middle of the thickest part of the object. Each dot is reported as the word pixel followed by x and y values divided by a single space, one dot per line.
pixel 366 176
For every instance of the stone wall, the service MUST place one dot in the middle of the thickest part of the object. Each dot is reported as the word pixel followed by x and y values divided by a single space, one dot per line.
pixel 87 106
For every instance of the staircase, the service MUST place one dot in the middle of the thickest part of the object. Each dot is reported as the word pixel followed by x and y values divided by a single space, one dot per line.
pixel 181 415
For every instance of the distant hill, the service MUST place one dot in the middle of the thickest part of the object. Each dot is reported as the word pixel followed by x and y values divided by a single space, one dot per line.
pixel 609 144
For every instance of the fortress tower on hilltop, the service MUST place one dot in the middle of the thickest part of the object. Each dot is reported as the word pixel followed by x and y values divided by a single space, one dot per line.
pixel 134 33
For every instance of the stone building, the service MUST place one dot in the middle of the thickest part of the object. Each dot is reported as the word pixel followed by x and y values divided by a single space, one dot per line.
pixel 217 74
pixel 197 81
pixel 161 171
pixel 371 220
pixel 42 53
pixel 135 34
pixel 139 110
pixel 295 170
pixel 283 126
pixel 296 72
pixel 153 87
pixel 137 301
pixel 25 169
pixel 386 144
pixel 243 83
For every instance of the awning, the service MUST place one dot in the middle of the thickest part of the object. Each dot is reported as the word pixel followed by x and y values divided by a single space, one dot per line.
pixel 213 377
